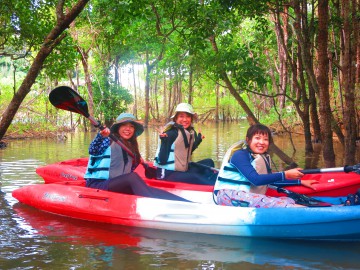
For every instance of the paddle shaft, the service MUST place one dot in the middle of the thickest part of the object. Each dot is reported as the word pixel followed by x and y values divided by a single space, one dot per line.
pixel 346 169
pixel 327 170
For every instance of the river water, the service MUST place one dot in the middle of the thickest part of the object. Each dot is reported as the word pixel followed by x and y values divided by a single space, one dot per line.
pixel 31 239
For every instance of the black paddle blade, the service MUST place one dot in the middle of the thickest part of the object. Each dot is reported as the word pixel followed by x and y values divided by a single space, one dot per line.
pixel 303 199
pixel 65 98
pixel 354 168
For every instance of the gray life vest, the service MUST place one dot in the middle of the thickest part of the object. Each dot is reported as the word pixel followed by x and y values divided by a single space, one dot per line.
pixel 180 155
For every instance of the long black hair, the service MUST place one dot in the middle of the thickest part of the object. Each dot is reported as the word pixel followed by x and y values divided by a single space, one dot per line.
pixel 131 144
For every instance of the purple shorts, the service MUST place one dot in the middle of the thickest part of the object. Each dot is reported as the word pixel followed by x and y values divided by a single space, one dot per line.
pixel 230 197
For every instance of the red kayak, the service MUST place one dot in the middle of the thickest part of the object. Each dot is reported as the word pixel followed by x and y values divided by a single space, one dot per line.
pixel 331 184
pixel 74 170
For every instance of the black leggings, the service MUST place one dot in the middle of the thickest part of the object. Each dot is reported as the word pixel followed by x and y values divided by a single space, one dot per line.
pixel 132 183
pixel 198 173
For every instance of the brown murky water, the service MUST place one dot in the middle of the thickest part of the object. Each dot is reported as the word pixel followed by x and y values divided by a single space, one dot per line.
pixel 31 239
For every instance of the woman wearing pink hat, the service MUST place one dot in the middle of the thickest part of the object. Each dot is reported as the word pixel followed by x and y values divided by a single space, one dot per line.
pixel 177 142
pixel 111 165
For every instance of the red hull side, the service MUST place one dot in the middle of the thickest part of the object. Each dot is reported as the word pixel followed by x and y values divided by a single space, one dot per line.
pixel 81 203
pixel 330 184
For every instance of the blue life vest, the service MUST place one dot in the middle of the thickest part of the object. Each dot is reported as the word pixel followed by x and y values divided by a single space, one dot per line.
pixel 170 163
pixel 113 162
pixel 99 166
pixel 230 178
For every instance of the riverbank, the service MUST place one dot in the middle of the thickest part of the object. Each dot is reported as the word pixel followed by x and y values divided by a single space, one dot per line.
pixel 26 134
pixel 34 132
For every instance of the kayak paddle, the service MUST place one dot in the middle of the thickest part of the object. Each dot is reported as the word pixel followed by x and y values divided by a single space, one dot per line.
pixel 297 197
pixel 65 98
pixel 347 169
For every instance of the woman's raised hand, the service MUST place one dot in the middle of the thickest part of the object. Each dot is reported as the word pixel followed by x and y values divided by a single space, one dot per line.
pixel 161 132
pixel 293 173
pixel 105 132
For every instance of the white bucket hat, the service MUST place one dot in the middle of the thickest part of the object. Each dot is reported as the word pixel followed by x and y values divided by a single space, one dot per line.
pixel 185 107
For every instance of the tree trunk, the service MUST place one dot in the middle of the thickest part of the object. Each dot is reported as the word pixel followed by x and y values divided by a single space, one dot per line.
pixel 217 87
pixel 190 99
pixel 299 86
pixel 84 61
pixel 147 90
pixel 348 82
pixel 149 68
pixel 171 97
pixel 135 92
pixel 314 116
pixel 302 96
pixel 116 70
pixel 51 41
pixel 356 24
pixel 156 113
pixel 323 83
pixel 281 30
pixel 165 95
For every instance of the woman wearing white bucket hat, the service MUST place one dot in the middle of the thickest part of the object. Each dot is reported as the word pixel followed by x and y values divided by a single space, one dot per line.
pixel 177 142
pixel 111 165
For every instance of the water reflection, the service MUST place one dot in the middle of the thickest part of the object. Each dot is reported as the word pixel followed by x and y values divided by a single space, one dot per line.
pixel 161 248
pixel 35 240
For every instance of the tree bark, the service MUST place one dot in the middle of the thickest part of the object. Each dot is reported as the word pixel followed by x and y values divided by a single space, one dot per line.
pixel 156 104
pixel 84 61
pixel 281 31
pixel 135 92
pixel 323 83
pixel 301 100
pixel 50 42
pixel 348 81
pixel 191 73
pixel 149 67
pixel 217 87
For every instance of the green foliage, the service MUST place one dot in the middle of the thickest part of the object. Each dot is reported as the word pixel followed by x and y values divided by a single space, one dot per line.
pixel 20 128
pixel 25 23
pixel 174 36
pixel 129 31
pixel 110 99
pixel 63 58
pixel 6 94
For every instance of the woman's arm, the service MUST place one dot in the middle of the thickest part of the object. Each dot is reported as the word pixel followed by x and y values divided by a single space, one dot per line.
pixel 99 145
pixel 165 145
pixel 241 160
pixel 197 140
